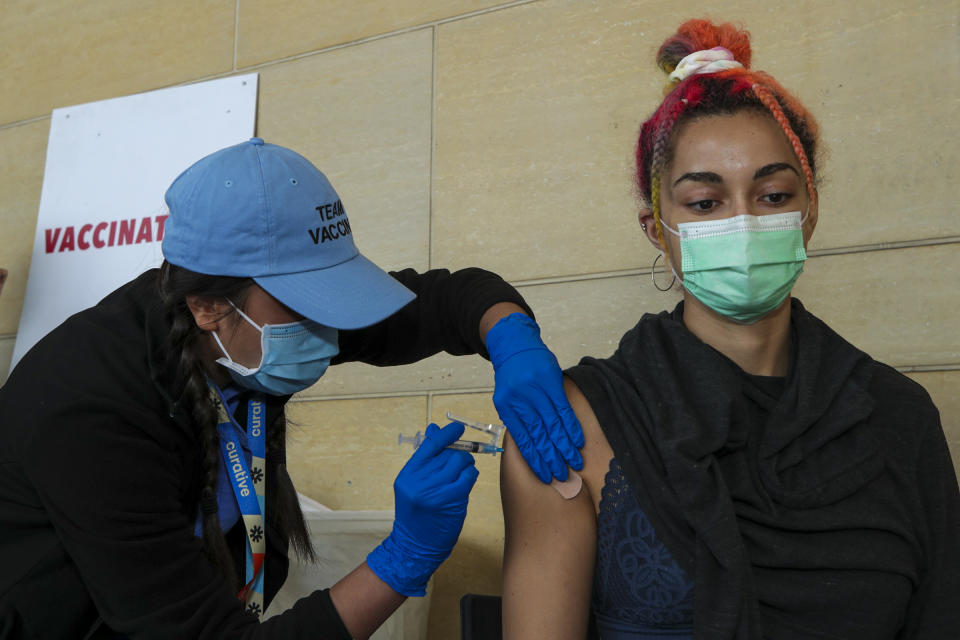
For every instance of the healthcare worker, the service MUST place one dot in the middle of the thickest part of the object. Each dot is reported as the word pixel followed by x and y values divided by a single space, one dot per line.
pixel 144 489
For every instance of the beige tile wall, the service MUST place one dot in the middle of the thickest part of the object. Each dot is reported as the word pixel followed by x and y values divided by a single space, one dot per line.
pixel 340 475
pixel 21 176
pixel 500 134
pixel 362 114
pixel 57 52
pixel 551 194
pixel 6 353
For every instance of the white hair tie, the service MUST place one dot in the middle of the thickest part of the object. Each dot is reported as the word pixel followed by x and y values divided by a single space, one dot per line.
pixel 704 61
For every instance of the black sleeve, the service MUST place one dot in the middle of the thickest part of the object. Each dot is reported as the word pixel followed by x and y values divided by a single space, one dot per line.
pixel 311 617
pixel 445 316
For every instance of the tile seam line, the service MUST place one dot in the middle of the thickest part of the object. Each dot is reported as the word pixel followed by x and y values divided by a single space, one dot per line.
pixel 20 123
pixel 885 246
pixel 645 271
pixel 481 12
pixel 397 394
pixel 926 368
pixel 431 24
pixel 916 368
pixel 433 132
pixel 236 32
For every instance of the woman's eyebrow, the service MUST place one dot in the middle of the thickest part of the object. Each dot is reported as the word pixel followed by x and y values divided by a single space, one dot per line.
pixel 773 168
pixel 715 178
pixel 702 176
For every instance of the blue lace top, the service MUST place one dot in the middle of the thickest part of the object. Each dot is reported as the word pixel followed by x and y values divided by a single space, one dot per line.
pixel 639 590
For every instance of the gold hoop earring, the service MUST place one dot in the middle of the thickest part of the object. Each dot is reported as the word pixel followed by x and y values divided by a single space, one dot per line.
pixel 653 275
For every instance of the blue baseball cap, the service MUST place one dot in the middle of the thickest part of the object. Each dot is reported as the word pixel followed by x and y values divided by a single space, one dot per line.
pixel 265 212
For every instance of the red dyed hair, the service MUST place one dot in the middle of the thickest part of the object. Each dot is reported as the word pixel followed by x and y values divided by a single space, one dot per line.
pixel 721 93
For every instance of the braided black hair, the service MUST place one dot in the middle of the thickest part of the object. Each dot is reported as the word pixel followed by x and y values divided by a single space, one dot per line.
pixel 192 395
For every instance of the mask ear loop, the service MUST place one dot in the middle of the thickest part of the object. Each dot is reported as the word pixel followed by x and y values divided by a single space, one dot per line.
pixel 229 359
pixel 222 348
pixel 245 316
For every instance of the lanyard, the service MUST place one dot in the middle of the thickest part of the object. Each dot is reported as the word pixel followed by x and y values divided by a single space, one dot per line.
pixel 249 488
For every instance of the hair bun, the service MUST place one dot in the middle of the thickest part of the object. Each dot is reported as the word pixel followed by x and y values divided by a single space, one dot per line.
pixel 697 35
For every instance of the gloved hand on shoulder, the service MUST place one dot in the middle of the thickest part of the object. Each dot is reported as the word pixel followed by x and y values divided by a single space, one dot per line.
pixel 530 399
pixel 430 495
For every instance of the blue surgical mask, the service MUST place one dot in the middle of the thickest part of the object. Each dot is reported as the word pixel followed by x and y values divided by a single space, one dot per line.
pixel 294 356
pixel 742 267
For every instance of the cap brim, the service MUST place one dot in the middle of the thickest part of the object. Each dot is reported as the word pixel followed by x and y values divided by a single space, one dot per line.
pixel 350 295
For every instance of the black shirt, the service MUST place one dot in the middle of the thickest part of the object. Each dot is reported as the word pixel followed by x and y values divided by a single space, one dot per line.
pixel 821 505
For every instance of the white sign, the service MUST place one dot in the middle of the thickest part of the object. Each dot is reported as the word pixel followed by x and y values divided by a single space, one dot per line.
pixel 102 213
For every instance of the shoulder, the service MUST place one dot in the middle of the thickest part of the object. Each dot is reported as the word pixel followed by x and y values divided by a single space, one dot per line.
pixel 889 385
pixel 578 401
pixel 597 452
pixel 897 395
pixel 92 372
pixel 596 448
pixel 519 484
pixel 96 351
pixel 100 334
pixel 904 415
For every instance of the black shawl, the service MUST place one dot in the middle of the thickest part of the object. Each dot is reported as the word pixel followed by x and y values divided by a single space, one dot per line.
pixel 778 508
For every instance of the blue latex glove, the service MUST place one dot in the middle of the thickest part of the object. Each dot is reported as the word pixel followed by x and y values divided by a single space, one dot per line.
pixel 530 399
pixel 430 496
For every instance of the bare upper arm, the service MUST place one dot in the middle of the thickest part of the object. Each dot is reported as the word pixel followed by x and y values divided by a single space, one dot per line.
pixel 550 542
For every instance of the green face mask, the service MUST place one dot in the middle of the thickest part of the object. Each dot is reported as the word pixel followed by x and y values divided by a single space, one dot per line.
pixel 742 267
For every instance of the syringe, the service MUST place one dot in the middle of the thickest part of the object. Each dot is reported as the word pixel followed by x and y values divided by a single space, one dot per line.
pixel 460 445
pixel 475 447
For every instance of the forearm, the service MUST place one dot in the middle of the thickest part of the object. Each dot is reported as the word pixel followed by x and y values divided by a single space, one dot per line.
pixel 364 601
pixel 495 313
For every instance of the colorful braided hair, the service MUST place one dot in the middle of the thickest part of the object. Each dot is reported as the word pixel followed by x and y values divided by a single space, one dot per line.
pixel 722 93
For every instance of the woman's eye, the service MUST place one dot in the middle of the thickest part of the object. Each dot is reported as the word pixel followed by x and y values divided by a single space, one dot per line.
pixel 775 198
pixel 702 205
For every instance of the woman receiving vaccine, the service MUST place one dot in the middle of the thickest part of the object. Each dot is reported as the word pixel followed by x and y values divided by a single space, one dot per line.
pixel 749 473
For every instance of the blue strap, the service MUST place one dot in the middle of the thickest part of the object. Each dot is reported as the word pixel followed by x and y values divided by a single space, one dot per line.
pixel 249 488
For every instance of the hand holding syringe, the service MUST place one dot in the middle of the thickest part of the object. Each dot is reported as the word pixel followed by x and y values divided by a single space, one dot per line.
pixel 471 446
pixel 569 488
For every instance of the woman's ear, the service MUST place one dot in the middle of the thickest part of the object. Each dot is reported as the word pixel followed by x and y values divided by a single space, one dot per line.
pixel 649 227
pixel 209 313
